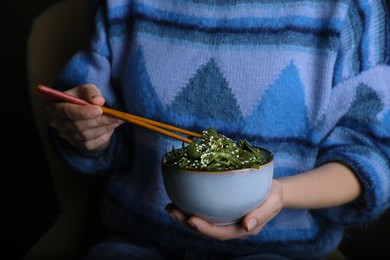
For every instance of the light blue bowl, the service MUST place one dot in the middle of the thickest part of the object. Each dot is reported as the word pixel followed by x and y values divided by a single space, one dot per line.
pixel 222 197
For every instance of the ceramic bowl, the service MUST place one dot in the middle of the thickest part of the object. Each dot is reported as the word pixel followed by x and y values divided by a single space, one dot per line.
pixel 220 197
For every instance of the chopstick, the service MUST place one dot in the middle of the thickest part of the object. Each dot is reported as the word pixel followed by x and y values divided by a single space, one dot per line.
pixel 50 93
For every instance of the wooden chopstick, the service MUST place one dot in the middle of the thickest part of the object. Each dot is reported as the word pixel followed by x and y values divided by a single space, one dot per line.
pixel 47 92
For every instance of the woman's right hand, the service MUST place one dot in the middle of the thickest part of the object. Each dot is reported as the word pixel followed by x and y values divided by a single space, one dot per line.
pixel 84 127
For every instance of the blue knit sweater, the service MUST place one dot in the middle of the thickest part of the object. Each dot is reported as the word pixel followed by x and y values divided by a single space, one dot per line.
pixel 307 80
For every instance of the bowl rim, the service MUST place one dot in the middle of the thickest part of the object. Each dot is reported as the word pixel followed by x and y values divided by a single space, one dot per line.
pixel 270 160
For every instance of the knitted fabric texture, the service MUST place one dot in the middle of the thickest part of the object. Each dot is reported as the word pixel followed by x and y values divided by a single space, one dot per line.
pixel 307 80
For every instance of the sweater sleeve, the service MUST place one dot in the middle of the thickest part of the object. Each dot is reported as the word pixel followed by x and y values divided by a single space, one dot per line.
pixel 360 103
pixel 92 65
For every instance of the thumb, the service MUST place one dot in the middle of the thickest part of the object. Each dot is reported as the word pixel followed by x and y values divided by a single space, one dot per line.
pixel 91 93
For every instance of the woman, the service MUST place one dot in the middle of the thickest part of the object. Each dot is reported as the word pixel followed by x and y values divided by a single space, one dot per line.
pixel 303 79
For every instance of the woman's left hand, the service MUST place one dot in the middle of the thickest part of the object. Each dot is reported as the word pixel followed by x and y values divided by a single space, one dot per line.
pixel 251 225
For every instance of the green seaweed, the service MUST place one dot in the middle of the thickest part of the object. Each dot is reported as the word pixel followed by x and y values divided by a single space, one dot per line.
pixel 216 152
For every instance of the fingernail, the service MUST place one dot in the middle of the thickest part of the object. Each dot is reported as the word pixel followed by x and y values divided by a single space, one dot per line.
pixel 96 96
pixel 251 224
pixel 113 119
pixel 96 112
pixel 192 225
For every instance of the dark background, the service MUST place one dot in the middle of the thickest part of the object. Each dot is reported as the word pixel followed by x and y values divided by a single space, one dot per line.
pixel 28 201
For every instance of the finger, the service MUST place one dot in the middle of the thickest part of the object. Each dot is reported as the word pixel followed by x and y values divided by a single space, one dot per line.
pixel 90 93
pixel 104 122
pixel 70 111
pixel 263 214
pixel 204 228
pixel 222 232
pixel 72 132
pixel 176 214
pixel 93 145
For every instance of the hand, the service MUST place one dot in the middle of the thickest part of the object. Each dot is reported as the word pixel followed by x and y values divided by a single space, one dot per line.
pixel 84 127
pixel 251 224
